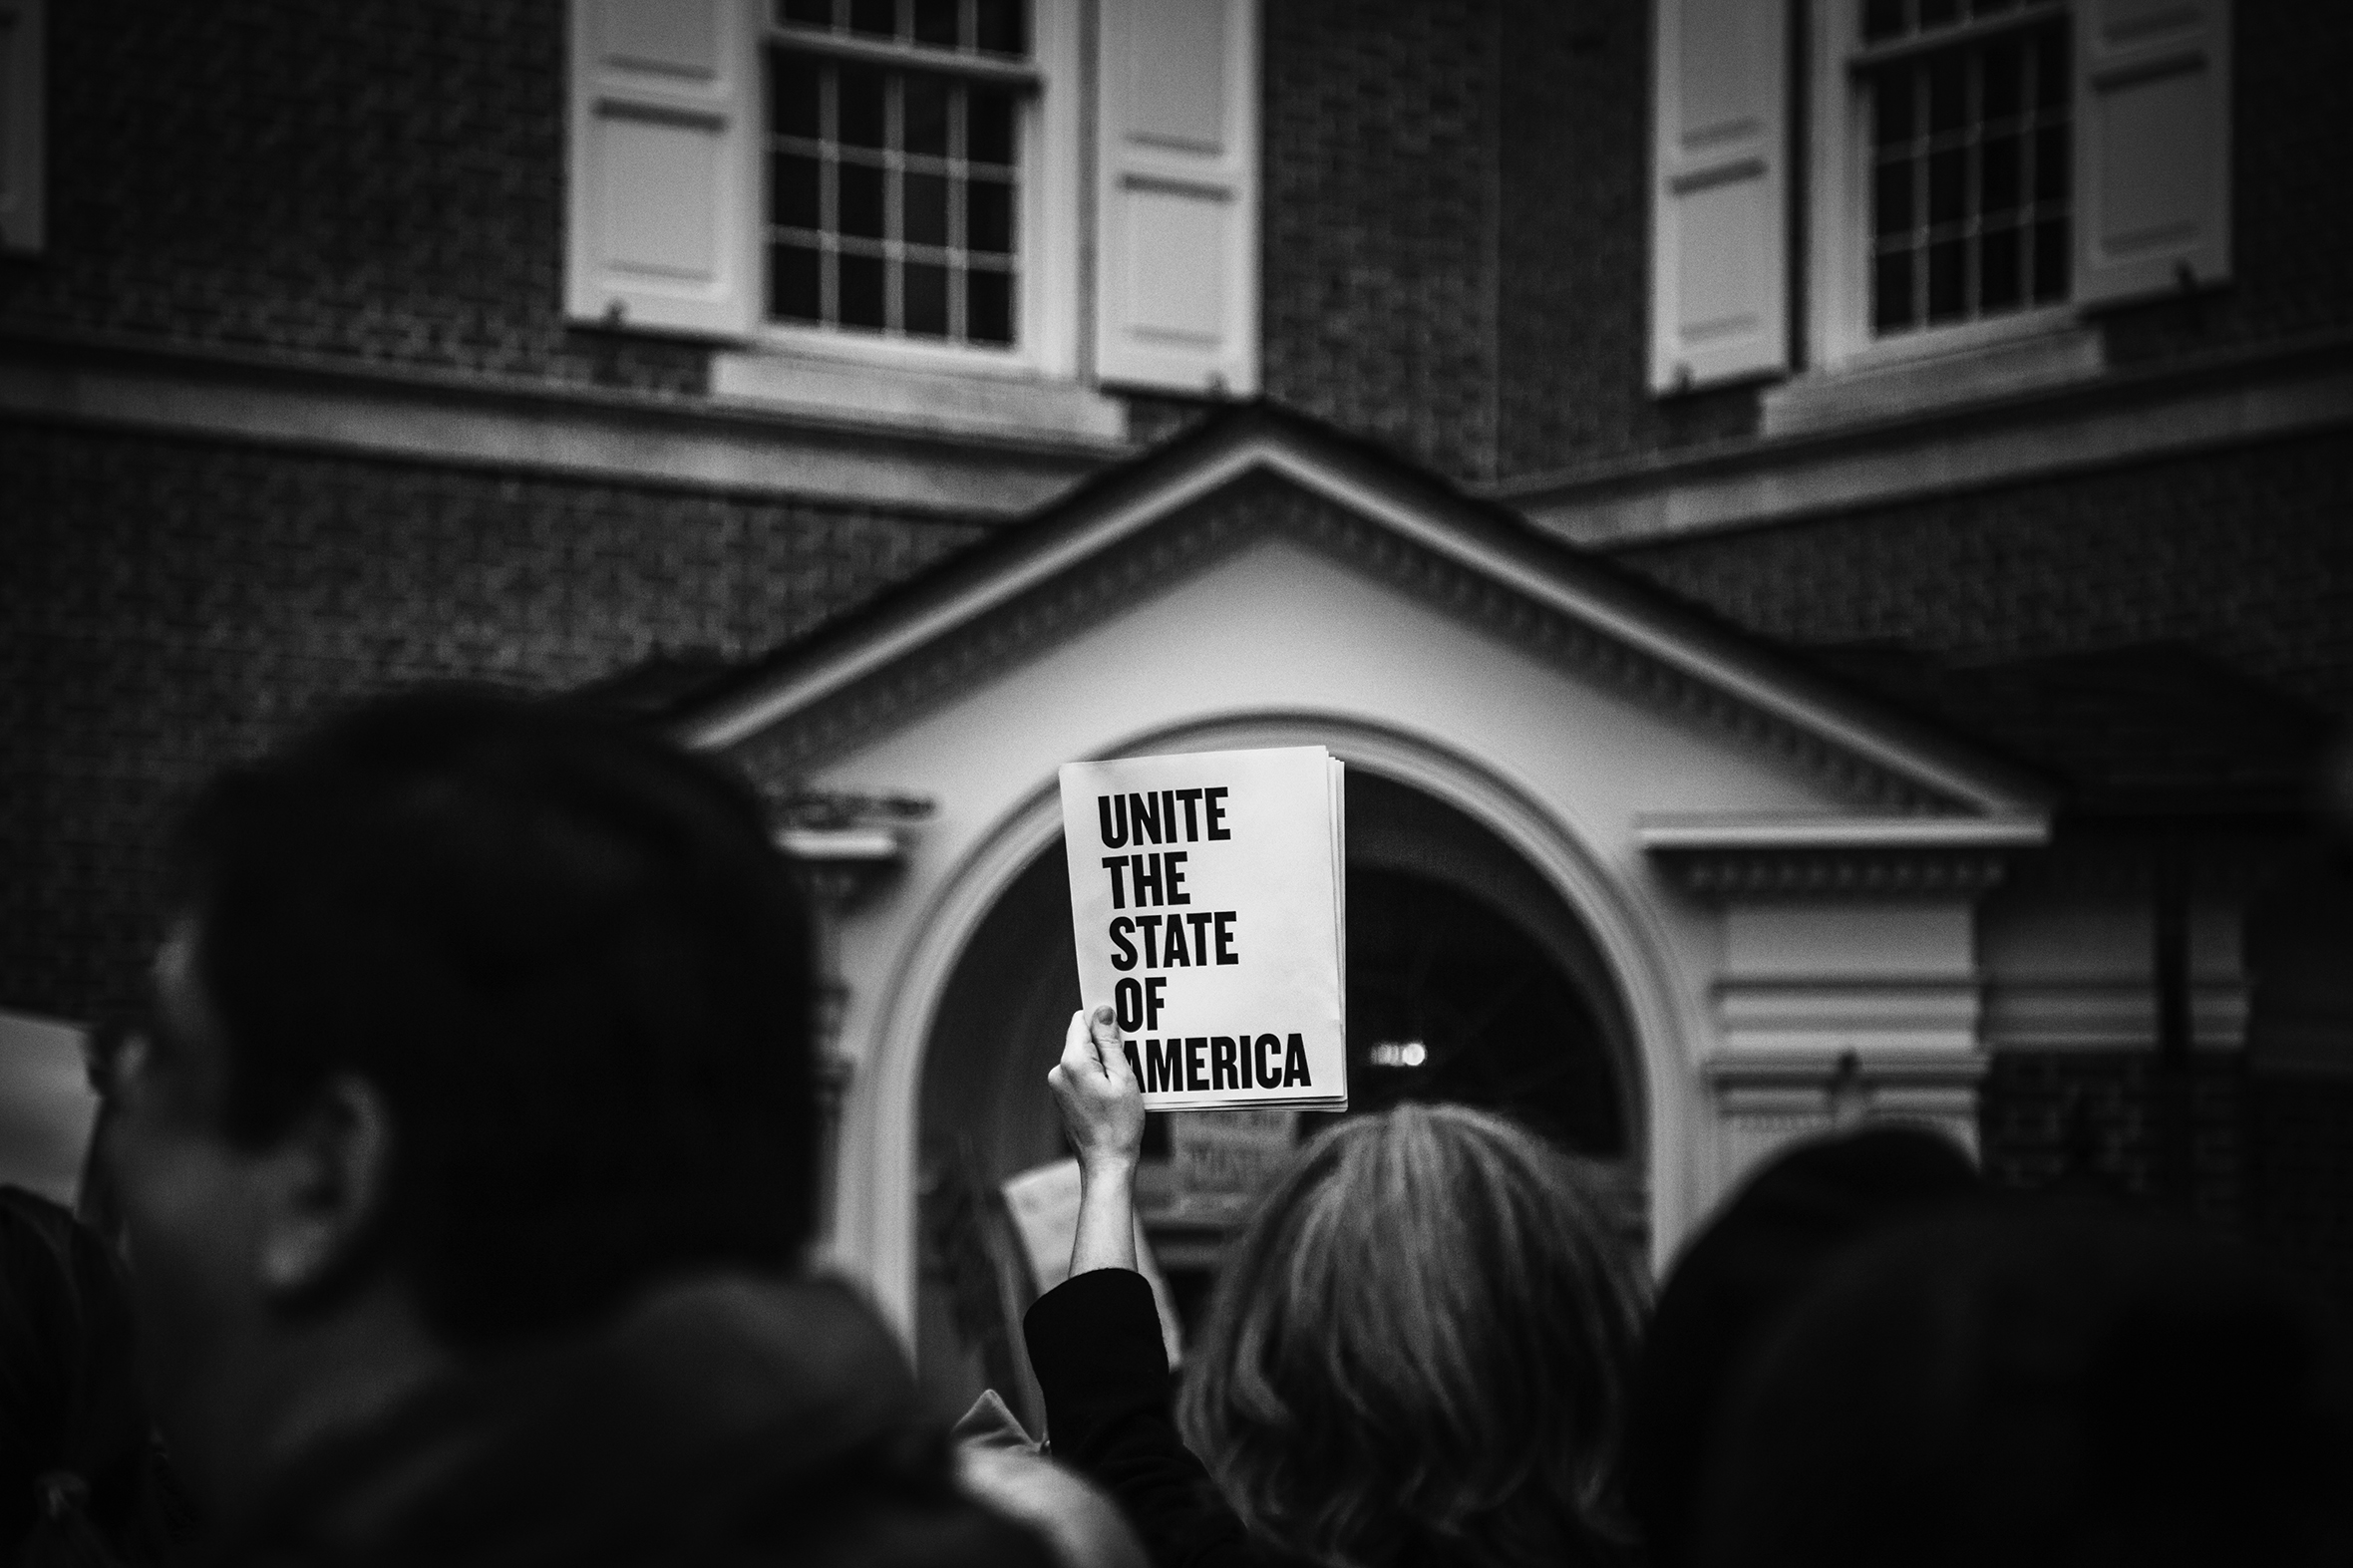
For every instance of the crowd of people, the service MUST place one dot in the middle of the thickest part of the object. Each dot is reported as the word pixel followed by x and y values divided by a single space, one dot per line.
pixel 450 1206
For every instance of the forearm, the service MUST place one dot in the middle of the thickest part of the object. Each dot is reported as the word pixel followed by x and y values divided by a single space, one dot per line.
pixel 1106 1236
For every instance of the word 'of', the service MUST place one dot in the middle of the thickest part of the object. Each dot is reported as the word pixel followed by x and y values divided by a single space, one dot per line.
pixel 1151 816
pixel 1204 1064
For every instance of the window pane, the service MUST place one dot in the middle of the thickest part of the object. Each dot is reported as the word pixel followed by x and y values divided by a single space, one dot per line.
pixel 2051 181
pixel 1945 280
pixel 1891 291
pixel 2003 184
pixel 927 113
pixel 2050 82
pixel 1891 108
pixel 876 18
pixel 927 300
pixel 1003 27
pixel 991 139
pixel 1939 13
pixel 1991 7
pixel 926 214
pixel 793 94
pixel 988 306
pixel 2005 69
pixel 935 23
pixel 2000 286
pixel 793 191
pixel 1891 198
pixel 810 13
pixel 1944 186
pixel 1883 19
pixel 862 106
pixel 1949 80
pixel 795 288
pixel 988 224
pixel 2050 260
pixel 862 291
pixel 861 201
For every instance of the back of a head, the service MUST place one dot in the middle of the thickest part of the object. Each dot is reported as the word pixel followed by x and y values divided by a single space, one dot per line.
pixel 2065 1386
pixel 568 956
pixel 80 1478
pixel 1775 1239
pixel 1421 1351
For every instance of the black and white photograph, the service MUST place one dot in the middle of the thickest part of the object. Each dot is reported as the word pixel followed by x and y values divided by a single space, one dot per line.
pixel 1176 784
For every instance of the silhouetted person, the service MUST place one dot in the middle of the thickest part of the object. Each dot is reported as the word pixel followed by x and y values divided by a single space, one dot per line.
pixel 1418 1354
pixel 467 1168
pixel 2062 1384
pixel 82 1482
pixel 1770 1244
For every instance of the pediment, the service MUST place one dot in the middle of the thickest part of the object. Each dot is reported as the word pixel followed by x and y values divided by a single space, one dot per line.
pixel 1259 474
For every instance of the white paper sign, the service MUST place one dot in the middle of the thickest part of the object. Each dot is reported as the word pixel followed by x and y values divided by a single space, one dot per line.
pixel 1208 895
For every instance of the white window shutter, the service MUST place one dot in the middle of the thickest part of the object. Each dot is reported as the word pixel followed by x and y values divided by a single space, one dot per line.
pixel 665 219
pixel 1719 265
pixel 1176 195
pixel 2152 118
pixel 23 117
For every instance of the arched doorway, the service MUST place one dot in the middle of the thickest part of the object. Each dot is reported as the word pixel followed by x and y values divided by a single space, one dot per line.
pixel 1470 979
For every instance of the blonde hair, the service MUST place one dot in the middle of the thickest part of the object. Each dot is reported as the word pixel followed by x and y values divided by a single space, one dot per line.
pixel 1422 1350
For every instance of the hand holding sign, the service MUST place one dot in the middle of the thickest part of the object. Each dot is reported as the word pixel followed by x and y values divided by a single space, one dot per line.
pixel 1105 1115
pixel 1206 896
pixel 1097 1094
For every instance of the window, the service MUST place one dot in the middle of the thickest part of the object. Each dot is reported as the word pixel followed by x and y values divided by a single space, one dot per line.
pixel 1971 187
pixel 1976 173
pixel 900 185
pixel 894 166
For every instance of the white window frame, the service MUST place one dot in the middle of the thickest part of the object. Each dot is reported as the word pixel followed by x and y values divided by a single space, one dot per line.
pixel 1838 335
pixel 1047 198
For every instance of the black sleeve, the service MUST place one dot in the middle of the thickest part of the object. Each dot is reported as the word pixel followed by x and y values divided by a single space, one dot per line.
pixel 1094 1345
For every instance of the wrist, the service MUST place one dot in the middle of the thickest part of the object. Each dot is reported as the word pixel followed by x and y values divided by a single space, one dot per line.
pixel 1107 1165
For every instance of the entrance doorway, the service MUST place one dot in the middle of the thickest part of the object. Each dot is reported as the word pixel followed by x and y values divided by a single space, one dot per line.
pixel 1470 979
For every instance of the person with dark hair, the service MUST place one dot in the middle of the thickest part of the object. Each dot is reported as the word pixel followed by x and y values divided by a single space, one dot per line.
pixel 1419 1354
pixel 83 1483
pixel 1772 1241
pixel 2059 1384
pixel 466 1167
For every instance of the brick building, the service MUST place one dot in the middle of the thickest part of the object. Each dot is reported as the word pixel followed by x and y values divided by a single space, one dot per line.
pixel 1937 409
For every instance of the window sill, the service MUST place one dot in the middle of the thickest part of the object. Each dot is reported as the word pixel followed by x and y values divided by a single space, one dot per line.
pixel 932 399
pixel 1925 381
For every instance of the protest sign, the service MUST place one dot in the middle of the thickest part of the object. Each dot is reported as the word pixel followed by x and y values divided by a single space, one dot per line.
pixel 1208 894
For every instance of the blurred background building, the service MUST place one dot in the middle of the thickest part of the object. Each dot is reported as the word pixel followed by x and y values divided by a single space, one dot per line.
pixel 1820 526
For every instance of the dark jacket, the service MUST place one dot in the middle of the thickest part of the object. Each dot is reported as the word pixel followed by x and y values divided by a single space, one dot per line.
pixel 727 1421
pixel 1094 1345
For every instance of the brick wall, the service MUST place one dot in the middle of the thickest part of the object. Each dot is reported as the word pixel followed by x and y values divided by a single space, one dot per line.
pixel 2094 1119
pixel 1380 220
pixel 2245 555
pixel 170 607
pixel 383 180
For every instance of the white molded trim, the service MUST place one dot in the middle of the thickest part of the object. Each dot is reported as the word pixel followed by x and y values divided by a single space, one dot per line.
pixel 1007 401
pixel 875 1220
pixel 1895 460
pixel 1841 832
pixel 445 420
pixel 1719 664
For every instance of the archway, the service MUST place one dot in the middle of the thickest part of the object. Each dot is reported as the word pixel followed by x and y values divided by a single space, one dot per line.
pixel 1471 978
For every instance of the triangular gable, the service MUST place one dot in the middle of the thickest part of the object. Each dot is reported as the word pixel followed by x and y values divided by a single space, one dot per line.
pixel 915 642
